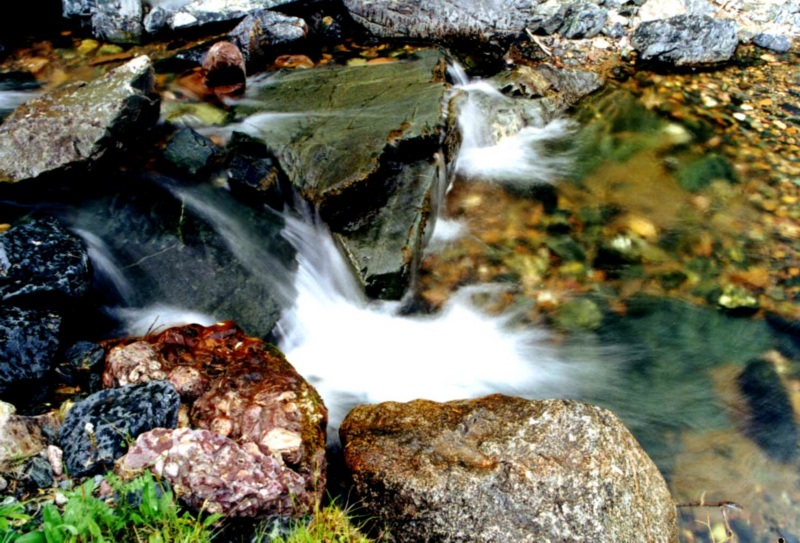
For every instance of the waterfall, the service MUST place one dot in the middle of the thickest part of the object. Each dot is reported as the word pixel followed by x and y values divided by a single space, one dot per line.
pixel 358 351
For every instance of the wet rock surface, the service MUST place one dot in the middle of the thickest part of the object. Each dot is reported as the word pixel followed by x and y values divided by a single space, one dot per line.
pixel 505 469
pixel 190 153
pixel 215 474
pixel 583 20
pixel 118 21
pixel 267 33
pixel 96 431
pixel 79 123
pixel 393 114
pixel 29 342
pixel 167 245
pixel 686 40
pixel 42 259
pixel 771 423
pixel 240 388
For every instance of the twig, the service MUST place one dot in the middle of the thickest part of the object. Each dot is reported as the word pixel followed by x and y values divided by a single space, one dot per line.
pixel 537 41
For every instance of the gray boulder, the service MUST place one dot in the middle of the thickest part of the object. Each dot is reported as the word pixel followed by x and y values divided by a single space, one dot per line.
pixel 376 199
pixel 501 469
pixel 266 33
pixel 28 346
pixel 686 40
pixel 96 431
pixel 118 21
pixel 41 258
pixel 78 8
pixel 445 19
pixel 180 14
pixel 78 123
pixel 583 20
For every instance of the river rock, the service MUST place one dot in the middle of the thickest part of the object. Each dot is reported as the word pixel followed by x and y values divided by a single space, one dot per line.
pixel 82 365
pixel 224 66
pixel 190 153
pixel 771 423
pixel 474 20
pixel 254 174
pixel 393 114
pixel 241 388
pixel 118 21
pixel 774 42
pixel 28 345
pixel 181 14
pixel 22 436
pixel 215 474
pixel 583 20
pixel 78 123
pixel 501 469
pixel 96 431
pixel 78 8
pixel 266 33
pixel 42 259
pixel 686 40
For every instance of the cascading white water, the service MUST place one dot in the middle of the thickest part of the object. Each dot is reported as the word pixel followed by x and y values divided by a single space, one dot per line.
pixel 504 140
pixel 357 351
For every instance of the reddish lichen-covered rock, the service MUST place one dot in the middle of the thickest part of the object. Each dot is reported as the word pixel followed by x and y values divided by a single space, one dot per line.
pixel 218 475
pixel 238 387
pixel 224 66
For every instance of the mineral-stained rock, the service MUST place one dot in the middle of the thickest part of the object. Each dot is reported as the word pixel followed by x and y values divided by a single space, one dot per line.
pixel 41 258
pixel 82 365
pixel 266 33
pixel 501 469
pixel 28 345
pixel 392 113
pixel 224 66
pixel 22 436
pixel 78 123
pixel 686 40
pixel 96 430
pixel 241 388
pixel 218 475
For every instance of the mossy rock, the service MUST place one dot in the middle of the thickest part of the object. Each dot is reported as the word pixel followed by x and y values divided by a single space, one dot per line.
pixel 576 315
pixel 698 174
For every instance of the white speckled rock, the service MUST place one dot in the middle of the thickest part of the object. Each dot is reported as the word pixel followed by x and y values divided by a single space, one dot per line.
pixel 216 474
pixel 500 469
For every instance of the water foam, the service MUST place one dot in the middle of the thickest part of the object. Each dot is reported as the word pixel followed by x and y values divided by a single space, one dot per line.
pixel 357 351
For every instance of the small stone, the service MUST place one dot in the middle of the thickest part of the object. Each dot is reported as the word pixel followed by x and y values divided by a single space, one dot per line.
pixel 224 66
pixel 775 42
pixel 577 315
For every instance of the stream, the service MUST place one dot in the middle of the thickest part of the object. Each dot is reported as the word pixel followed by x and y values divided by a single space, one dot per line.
pixel 586 270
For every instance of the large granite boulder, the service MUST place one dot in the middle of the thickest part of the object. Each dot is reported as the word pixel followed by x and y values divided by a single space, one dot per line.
pixel 474 20
pixel 377 200
pixel 96 431
pixel 29 342
pixel 686 40
pixel 42 259
pixel 78 123
pixel 241 389
pixel 501 469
